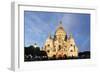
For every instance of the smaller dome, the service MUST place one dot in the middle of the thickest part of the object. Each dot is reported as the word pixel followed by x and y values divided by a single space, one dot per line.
pixel 49 39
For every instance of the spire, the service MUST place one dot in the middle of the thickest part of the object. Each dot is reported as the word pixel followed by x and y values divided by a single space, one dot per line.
pixel 60 22
pixel 70 35
pixel 60 25
pixel 49 36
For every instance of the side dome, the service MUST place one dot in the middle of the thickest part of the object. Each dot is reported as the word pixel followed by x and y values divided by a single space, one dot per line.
pixel 48 43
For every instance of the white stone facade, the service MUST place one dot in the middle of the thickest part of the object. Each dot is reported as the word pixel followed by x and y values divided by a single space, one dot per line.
pixel 61 45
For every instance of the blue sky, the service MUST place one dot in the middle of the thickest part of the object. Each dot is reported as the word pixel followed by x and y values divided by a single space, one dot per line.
pixel 37 26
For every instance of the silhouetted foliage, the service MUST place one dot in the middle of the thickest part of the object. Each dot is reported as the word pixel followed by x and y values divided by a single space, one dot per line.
pixel 84 55
pixel 29 50
pixel 32 53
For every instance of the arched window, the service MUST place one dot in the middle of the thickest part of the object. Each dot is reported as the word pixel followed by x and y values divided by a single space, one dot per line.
pixel 71 50
pixel 71 45
pixel 48 51
pixel 59 47
pixel 48 45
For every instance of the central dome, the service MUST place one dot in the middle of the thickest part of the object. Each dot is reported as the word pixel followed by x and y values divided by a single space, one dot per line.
pixel 60 32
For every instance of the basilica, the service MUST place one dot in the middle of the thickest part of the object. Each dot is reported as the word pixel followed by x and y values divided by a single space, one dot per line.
pixel 60 45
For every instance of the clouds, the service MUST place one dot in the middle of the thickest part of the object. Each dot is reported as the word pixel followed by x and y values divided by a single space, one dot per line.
pixel 79 26
pixel 39 24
